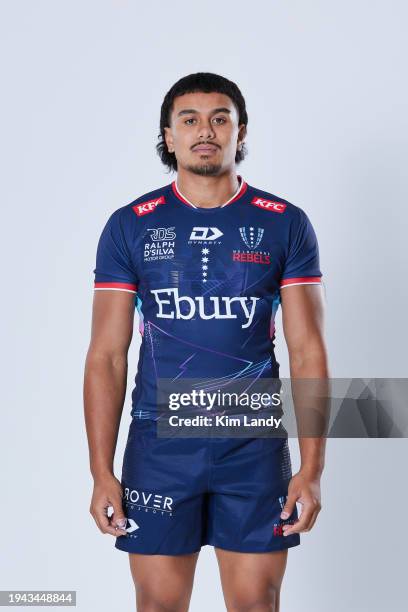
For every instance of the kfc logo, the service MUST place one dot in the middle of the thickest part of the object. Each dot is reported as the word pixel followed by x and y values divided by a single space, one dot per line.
pixel 148 207
pixel 278 207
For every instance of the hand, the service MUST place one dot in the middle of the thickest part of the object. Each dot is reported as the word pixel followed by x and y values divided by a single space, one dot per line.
pixel 108 492
pixel 306 490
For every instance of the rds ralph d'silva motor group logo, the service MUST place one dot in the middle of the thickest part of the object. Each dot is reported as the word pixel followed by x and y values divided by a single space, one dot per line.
pixel 162 244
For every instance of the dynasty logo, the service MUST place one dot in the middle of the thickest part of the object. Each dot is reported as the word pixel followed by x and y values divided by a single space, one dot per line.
pixel 162 244
pixel 204 235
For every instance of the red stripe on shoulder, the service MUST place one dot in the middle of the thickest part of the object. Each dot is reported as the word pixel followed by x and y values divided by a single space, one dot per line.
pixel 121 286
pixel 303 280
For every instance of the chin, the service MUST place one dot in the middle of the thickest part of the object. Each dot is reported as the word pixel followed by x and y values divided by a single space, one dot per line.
pixel 205 169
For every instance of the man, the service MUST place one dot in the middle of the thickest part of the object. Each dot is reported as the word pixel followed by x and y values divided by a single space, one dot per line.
pixel 207 259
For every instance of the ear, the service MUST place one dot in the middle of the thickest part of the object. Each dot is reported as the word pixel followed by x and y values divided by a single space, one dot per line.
pixel 242 132
pixel 168 137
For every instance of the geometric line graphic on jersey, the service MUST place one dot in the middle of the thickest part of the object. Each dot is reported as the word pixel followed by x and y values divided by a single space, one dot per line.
pixel 143 414
pixel 204 234
pixel 257 281
pixel 162 245
pixel 215 286
pixel 138 305
pixel 254 371
pixel 223 381
pixel 274 309
pixel 183 367
pixel 252 332
pixel 225 358
pixel 147 207
pixel 251 242
pixel 171 305
pixel 278 207
pixel 150 342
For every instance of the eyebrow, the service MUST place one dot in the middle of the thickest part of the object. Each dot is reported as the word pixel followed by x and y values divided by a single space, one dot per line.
pixel 190 111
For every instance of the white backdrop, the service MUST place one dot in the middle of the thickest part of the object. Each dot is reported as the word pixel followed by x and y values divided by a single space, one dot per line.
pixel 82 85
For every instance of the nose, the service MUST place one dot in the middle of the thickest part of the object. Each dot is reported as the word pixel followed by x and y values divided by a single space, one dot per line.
pixel 205 130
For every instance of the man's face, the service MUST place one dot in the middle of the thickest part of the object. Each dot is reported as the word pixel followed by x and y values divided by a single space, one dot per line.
pixel 204 133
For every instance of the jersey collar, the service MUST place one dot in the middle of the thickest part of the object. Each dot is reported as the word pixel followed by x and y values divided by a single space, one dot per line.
pixel 240 192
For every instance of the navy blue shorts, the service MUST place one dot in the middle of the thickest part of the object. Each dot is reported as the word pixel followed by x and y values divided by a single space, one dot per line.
pixel 182 493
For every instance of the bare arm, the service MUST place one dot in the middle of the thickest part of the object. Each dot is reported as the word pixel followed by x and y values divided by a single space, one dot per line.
pixel 104 393
pixel 303 325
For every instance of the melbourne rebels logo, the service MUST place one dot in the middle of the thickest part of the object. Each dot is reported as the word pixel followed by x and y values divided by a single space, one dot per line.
pixel 252 238
pixel 251 242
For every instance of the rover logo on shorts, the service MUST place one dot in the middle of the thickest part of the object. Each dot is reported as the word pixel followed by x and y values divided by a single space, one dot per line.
pixel 147 501
pixel 147 207
pixel 278 207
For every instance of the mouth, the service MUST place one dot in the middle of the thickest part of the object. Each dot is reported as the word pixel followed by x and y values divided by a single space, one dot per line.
pixel 205 148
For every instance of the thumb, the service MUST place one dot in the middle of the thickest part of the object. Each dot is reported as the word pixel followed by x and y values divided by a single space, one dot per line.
pixel 121 522
pixel 289 506
pixel 118 518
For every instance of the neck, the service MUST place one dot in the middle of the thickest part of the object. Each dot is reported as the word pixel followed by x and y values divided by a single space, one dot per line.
pixel 207 191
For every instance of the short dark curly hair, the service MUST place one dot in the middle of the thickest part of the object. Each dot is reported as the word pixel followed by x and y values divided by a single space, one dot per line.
pixel 205 82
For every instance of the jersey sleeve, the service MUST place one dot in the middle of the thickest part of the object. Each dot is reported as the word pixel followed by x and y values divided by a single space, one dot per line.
pixel 114 268
pixel 302 266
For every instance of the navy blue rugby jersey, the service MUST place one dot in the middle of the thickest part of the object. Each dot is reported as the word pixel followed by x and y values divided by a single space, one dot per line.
pixel 207 282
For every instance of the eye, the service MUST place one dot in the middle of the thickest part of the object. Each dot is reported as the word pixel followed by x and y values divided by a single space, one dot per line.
pixel 219 120
pixel 187 121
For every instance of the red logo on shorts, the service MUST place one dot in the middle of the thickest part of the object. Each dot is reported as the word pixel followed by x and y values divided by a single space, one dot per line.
pixel 278 207
pixel 148 207
pixel 278 529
